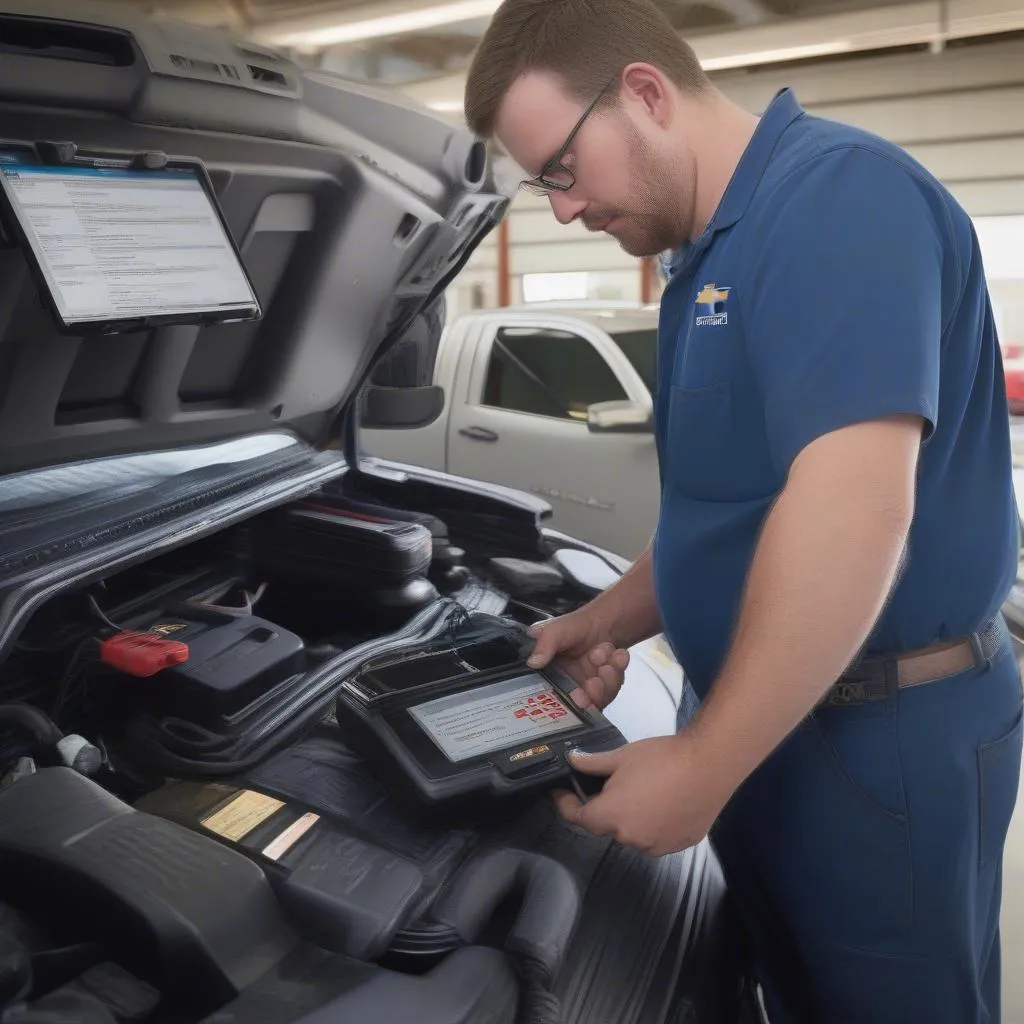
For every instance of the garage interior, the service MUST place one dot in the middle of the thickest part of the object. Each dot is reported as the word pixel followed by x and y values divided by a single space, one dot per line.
pixel 942 78
pixel 956 104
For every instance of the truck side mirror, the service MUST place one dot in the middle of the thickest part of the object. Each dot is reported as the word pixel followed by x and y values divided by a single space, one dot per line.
pixel 620 418
pixel 401 408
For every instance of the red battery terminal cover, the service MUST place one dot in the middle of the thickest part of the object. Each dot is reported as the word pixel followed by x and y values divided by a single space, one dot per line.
pixel 142 654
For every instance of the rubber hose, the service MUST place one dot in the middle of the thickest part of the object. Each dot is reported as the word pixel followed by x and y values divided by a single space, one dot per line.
pixel 35 721
pixel 282 726
pixel 537 1003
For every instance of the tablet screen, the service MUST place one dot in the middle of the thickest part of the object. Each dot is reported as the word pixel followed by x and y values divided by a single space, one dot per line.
pixel 117 245
pixel 478 722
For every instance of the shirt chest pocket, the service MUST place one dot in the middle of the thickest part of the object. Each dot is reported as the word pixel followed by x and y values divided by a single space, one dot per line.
pixel 716 449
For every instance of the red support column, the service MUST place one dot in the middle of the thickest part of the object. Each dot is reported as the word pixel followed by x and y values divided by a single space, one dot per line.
pixel 504 266
pixel 647 272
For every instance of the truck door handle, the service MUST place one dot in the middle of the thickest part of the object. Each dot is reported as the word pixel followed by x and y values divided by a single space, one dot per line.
pixel 479 434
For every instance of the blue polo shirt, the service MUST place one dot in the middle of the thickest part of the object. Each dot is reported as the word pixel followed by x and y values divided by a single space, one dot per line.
pixel 837 282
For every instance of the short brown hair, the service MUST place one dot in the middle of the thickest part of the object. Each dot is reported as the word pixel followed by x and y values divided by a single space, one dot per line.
pixel 585 42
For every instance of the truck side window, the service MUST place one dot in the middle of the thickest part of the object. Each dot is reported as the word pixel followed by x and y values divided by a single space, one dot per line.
pixel 548 373
pixel 641 349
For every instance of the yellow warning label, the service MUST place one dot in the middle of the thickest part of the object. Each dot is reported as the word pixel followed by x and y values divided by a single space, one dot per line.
pixel 238 818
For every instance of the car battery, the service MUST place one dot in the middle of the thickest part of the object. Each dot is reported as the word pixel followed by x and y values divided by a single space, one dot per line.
pixel 230 661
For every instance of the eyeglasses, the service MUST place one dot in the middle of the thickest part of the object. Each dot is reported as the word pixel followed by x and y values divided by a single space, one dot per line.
pixel 554 175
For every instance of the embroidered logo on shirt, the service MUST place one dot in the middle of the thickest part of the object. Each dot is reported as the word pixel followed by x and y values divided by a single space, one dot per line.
pixel 711 302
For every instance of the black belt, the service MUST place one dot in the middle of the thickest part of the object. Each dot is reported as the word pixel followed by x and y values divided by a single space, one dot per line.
pixel 878 676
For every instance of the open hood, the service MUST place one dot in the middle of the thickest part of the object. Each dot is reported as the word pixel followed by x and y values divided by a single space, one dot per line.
pixel 351 208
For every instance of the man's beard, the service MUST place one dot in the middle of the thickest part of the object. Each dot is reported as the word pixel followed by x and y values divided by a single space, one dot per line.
pixel 656 218
pixel 641 236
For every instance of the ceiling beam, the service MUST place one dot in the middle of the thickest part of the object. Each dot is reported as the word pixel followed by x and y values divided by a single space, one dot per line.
pixel 790 39
pixel 745 12
pixel 244 12
pixel 440 52
pixel 219 14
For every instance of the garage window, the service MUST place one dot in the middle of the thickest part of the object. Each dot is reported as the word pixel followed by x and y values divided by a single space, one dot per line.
pixel 548 373
pixel 1002 248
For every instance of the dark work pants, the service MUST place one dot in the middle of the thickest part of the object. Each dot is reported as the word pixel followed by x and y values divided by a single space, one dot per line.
pixel 866 855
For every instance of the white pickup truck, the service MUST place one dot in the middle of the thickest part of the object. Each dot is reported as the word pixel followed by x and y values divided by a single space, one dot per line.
pixel 551 399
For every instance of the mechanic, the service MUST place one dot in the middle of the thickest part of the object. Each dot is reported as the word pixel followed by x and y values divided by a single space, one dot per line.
pixel 838 528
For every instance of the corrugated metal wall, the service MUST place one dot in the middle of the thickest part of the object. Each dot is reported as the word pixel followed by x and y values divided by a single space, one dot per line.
pixel 961 113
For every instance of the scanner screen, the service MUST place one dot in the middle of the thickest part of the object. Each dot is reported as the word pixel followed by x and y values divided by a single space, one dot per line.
pixel 481 721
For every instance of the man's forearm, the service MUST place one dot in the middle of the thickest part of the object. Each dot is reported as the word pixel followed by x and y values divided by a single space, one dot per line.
pixel 825 564
pixel 630 607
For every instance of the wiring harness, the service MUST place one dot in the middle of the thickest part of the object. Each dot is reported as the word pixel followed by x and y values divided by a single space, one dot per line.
pixel 184 749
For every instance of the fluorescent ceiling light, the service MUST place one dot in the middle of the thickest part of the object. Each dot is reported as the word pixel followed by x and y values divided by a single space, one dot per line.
pixel 398 23
pixel 453 104
pixel 742 60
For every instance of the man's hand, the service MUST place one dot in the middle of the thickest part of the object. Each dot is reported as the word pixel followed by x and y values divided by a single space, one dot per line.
pixel 581 644
pixel 592 644
pixel 659 797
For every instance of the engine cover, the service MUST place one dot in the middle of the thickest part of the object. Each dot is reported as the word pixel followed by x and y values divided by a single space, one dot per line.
pixel 181 911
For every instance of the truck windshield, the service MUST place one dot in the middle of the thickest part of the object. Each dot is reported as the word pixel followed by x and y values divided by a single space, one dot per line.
pixel 641 349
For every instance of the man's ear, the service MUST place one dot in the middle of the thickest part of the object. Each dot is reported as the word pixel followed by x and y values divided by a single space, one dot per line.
pixel 647 89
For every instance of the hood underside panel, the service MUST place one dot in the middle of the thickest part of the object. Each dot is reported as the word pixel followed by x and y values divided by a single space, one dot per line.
pixel 350 208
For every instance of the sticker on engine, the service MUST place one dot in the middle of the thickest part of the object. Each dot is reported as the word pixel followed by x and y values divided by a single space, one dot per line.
pixel 245 812
pixel 290 836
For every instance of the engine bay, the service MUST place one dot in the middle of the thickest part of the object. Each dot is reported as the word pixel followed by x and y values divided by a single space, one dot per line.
pixel 190 571
pixel 180 814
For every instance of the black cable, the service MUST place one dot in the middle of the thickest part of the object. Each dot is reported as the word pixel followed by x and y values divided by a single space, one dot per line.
pixel 162 745
pixel 76 665
pixel 350 438
pixel 101 614
pixel 34 720
pixel 78 685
